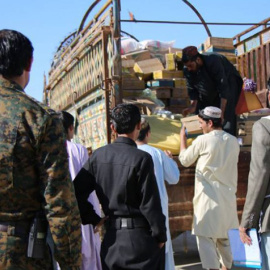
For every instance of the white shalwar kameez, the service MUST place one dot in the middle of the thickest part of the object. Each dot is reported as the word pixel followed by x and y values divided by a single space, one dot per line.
pixel 214 202
pixel 91 242
pixel 165 169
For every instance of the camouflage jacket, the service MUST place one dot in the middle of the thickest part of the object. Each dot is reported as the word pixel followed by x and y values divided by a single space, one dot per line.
pixel 34 171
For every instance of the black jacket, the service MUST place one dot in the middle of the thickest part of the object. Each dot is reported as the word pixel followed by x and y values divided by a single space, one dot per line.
pixel 213 81
pixel 124 180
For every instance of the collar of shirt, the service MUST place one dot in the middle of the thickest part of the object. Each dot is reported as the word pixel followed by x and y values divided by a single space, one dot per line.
pixel 125 140
pixel 10 84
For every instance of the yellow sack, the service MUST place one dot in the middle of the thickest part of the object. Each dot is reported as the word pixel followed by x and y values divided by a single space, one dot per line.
pixel 165 133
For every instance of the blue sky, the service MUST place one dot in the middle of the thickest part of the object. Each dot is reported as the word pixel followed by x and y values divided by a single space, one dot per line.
pixel 47 23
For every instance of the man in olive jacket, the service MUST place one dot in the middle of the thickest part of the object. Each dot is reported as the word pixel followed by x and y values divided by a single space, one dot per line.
pixel 256 213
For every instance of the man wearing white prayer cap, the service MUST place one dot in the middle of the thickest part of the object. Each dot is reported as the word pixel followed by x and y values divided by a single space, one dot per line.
pixel 214 202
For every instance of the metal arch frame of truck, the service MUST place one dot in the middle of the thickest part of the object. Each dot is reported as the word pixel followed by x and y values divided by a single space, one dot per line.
pixel 85 79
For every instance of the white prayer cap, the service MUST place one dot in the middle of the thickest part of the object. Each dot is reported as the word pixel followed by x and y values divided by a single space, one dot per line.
pixel 212 112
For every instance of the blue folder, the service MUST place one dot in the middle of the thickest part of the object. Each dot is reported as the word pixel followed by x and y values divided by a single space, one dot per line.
pixel 244 255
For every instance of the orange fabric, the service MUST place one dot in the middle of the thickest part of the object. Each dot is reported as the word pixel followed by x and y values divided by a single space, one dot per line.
pixel 241 106
pixel 247 102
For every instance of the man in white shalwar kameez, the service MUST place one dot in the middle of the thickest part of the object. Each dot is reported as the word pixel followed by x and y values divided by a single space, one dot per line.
pixel 214 202
pixel 78 155
pixel 165 169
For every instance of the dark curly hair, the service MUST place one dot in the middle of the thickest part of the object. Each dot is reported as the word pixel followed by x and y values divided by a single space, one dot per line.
pixel 125 117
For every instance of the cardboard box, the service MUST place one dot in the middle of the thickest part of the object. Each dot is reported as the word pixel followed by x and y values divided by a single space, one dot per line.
pixel 179 54
pixel 131 82
pixel 145 105
pixel 128 63
pixel 217 41
pixel 175 50
pixel 170 61
pixel 179 101
pixel 160 56
pixel 166 102
pixel 145 68
pixel 192 124
pixel 181 82
pixel 162 93
pixel 167 74
pixel 180 92
pixel 132 93
pixel 137 56
pixel 160 83
pixel 244 128
pixel 129 71
pixel 220 49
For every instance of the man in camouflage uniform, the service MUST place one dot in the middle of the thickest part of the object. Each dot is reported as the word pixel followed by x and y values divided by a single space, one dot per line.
pixel 34 171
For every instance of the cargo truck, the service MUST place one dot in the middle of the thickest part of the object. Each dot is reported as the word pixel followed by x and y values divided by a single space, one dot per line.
pixel 88 77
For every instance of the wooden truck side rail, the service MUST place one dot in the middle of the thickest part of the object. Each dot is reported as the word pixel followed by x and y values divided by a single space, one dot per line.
pixel 79 78
pixel 253 56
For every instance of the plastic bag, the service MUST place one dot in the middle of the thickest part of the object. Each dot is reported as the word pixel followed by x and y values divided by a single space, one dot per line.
pixel 129 45
pixel 155 45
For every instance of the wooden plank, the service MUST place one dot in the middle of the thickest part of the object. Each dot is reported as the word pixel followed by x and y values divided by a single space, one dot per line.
pixel 250 66
pixel 237 37
pixel 265 36
pixel 258 64
pixel 267 60
pixel 263 68
pixel 252 43
pixel 105 72
pixel 240 63
pixel 243 58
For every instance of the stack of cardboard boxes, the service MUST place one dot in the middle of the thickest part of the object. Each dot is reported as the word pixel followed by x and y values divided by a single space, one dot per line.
pixel 219 45
pixel 245 124
pixel 162 72
pixel 162 75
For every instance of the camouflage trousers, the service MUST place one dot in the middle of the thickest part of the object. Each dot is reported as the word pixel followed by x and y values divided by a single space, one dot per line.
pixel 13 255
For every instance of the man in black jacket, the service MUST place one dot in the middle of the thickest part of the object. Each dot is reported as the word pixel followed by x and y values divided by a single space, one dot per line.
pixel 212 81
pixel 124 180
